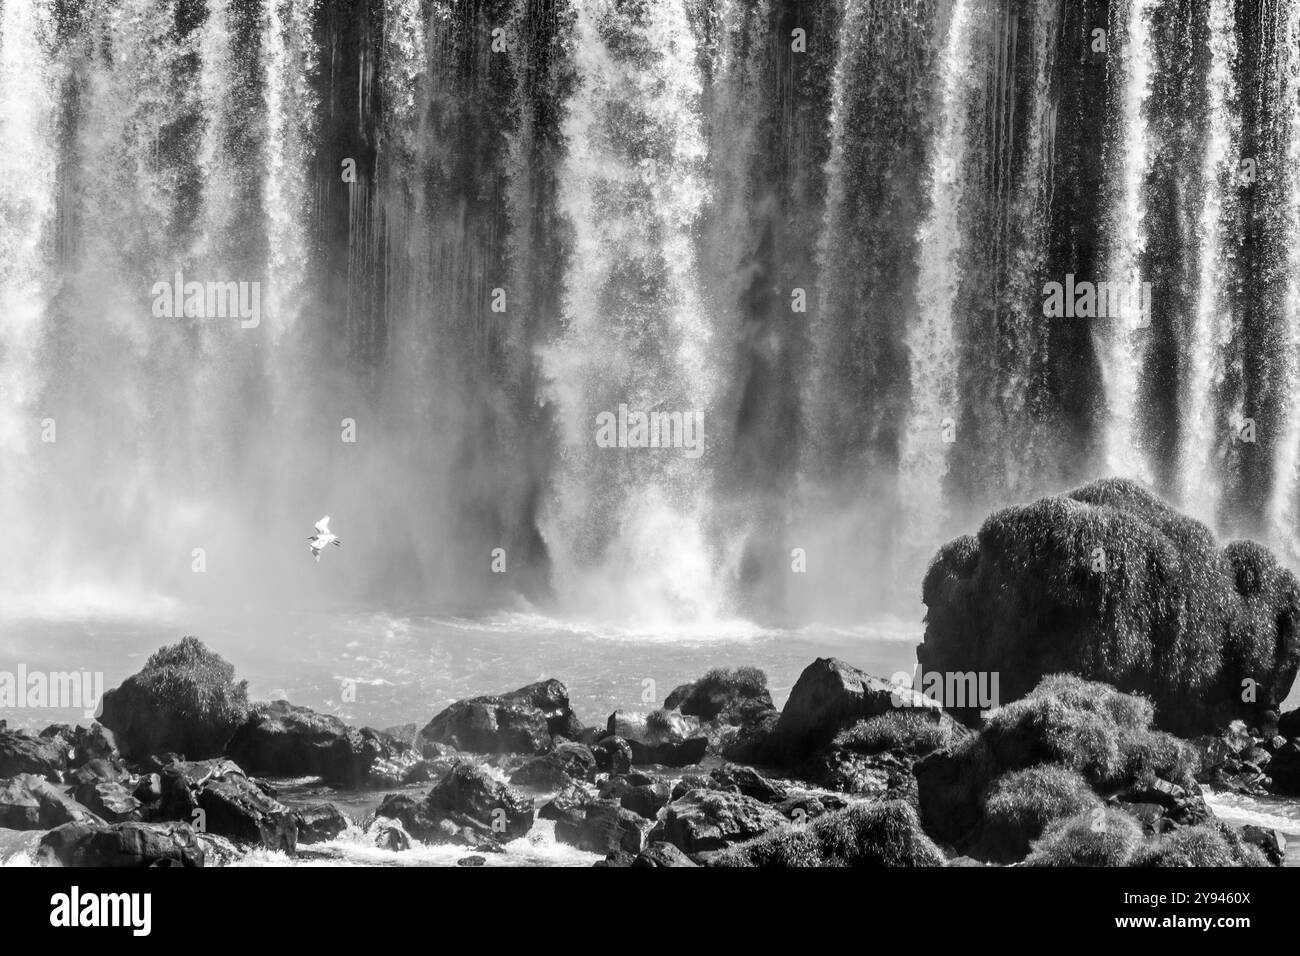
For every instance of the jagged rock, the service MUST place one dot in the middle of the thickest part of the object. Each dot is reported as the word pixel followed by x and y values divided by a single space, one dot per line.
pixel 604 827
pixel 466 806
pixel 22 753
pixel 234 807
pixel 704 820
pixel 567 762
pixel 283 740
pixel 1271 842
pixel 662 854
pixel 320 824
pixel 29 802
pixel 523 721
pixel 613 755
pixel 121 845
pixel 110 800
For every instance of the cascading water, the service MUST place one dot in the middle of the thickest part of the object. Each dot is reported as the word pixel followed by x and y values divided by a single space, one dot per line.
pixel 824 227
pixel 1207 346
pixel 1122 343
pixel 931 340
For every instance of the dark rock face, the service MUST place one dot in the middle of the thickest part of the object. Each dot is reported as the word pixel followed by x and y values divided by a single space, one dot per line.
pixel 704 820
pixel 237 809
pixel 217 797
pixel 678 742
pixel 109 799
pixel 29 802
pixel 604 827
pixel 320 824
pixel 121 845
pixel 662 854
pixel 184 701
pixel 467 806
pixel 1110 583
pixel 568 762
pixel 281 739
pixel 829 696
pixel 523 721
pixel 23 753
pixel 613 755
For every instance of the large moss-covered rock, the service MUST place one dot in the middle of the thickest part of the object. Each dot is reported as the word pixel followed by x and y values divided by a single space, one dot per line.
pixel 1110 583
pixel 186 700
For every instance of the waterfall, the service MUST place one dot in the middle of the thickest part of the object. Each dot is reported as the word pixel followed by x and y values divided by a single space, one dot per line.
pixel 1123 348
pixel 931 340
pixel 1284 508
pixel 626 525
pixel 490 235
pixel 27 208
pixel 1209 333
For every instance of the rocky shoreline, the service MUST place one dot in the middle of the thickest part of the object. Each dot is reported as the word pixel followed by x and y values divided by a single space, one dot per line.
pixel 1141 661
pixel 1072 774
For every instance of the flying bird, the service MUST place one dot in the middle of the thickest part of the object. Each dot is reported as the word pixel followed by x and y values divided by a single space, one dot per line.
pixel 322 537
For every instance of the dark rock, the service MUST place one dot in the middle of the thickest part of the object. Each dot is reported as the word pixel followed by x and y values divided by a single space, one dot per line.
pixel 98 770
pixel 22 753
pixel 320 824
pixel 1288 725
pixel 235 807
pixel 604 827
pixel 748 781
pixel 29 802
pixel 1271 842
pixel 149 788
pixel 110 800
pixel 466 806
pixel 389 834
pixel 677 743
pixel 662 854
pixel 829 696
pixel 645 799
pixel 613 755
pixel 950 788
pixel 569 805
pixel 471 861
pixel 523 721
pixel 1110 583
pixel 567 762
pixel 185 700
pixel 1284 768
pixel 121 845
pixel 283 740
pixel 704 820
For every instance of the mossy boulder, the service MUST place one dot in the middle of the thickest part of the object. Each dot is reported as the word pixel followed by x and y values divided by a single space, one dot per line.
pixel 185 700
pixel 1110 583
pixel 883 833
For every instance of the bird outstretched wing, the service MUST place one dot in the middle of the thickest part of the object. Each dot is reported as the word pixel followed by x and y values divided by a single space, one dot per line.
pixel 323 526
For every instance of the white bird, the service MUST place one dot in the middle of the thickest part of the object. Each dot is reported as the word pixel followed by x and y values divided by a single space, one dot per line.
pixel 322 537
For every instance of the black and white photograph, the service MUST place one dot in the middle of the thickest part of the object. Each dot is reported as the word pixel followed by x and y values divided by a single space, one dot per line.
pixel 516 435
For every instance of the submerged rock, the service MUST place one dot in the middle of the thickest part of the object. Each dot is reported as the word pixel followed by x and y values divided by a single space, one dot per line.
pixel 320 824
